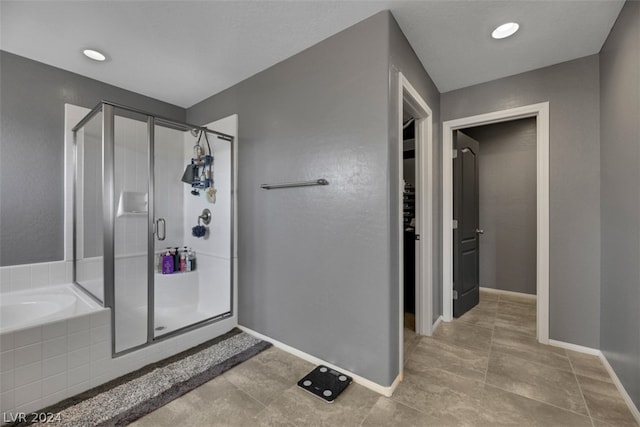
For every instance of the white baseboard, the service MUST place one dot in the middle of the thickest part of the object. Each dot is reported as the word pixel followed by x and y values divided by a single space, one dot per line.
pixel 502 291
pixel 614 377
pixel 630 403
pixel 436 324
pixel 385 391
pixel 575 347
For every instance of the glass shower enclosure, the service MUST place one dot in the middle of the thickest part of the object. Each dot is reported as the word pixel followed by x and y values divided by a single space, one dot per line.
pixel 153 212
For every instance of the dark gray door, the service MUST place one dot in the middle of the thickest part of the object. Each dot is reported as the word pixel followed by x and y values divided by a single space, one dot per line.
pixel 466 245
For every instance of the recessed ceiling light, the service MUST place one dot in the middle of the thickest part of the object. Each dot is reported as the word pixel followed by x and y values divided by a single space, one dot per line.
pixel 94 54
pixel 505 30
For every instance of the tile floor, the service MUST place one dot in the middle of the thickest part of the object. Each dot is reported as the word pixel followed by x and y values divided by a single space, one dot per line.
pixel 483 369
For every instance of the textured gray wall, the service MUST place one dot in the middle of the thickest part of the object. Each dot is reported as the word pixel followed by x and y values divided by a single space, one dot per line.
pixel 507 204
pixel 314 263
pixel 572 89
pixel 403 58
pixel 32 96
pixel 620 162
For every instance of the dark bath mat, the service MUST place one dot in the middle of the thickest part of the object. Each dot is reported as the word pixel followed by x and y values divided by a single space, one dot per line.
pixel 125 399
pixel 326 383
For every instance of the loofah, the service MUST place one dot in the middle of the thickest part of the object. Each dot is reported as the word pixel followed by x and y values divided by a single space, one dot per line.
pixel 199 231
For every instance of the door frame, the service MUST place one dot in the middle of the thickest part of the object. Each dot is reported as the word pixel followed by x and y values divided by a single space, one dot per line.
pixel 408 96
pixel 541 112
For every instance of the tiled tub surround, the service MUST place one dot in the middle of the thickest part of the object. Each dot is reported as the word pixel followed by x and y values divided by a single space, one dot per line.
pixel 44 364
pixel 30 276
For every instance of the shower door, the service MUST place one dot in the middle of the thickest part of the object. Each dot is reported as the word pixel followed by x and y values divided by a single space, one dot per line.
pixel 131 150
pixel 197 289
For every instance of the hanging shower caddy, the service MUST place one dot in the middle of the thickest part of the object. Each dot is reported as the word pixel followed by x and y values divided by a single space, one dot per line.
pixel 202 172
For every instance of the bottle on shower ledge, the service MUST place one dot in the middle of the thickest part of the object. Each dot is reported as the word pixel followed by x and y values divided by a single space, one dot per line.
pixel 176 260
pixel 191 259
pixel 183 262
pixel 167 263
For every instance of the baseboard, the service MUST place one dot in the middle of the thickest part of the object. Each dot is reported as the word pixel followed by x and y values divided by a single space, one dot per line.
pixel 575 347
pixel 595 352
pixel 630 403
pixel 502 291
pixel 436 324
pixel 385 391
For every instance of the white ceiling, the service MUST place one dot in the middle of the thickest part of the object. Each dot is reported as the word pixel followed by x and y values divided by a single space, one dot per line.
pixel 185 51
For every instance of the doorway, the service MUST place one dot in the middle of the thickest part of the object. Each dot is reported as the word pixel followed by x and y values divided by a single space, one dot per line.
pixel 541 113
pixel 496 230
pixel 410 105
pixel 409 222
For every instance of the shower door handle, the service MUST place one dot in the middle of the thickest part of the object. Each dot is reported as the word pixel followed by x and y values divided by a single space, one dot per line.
pixel 164 229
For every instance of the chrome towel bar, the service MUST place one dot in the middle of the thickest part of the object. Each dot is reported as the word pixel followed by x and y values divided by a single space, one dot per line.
pixel 320 181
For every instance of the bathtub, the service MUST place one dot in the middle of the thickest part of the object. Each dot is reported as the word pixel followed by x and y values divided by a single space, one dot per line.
pixel 31 307
pixel 54 341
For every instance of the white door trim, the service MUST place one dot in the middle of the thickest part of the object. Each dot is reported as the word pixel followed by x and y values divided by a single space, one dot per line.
pixel 541 113
pixel 409 96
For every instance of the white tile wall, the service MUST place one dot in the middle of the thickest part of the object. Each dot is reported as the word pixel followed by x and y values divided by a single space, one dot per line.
pixel 20 277
pixel 30 276
pixel 5 279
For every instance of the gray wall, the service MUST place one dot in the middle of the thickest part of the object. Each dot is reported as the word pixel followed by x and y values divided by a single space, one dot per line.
pixel 572 89
pixel 32 96
pixel 507 179
pixel 314 262
pixel 403 58
pixel 620 162
pixel 318 266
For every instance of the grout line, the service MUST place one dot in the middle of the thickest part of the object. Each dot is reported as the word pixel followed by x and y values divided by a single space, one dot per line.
pixel 371 409
pixel 486 371
pixel 539 401
pixel 581 392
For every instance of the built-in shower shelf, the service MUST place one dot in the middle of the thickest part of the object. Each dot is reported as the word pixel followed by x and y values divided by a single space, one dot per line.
pixel 176 273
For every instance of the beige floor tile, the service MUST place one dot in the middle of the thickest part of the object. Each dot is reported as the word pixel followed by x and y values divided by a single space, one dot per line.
pixel 518 317
pixel 511 338
pixel 484 314
pixel 303 409
pixel 539 382
pixel 588 365
pixel 486 295
pixel 267 374
pixel 411 340
pixel 601 423
pixel 449 398
pixel 458 360
pixel 487 303
pixel 519 299
pixel 545 358
pixel 387 412
pixel 269 417
pixel 514 343
pixel 216 403
pixel 605 402
pixel 464 335
pixel 505 408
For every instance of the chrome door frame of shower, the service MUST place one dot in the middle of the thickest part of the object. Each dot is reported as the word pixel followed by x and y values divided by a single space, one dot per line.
pixel 108 184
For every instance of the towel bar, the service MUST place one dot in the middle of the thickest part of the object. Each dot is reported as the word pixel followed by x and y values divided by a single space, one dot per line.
pixel 320 181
